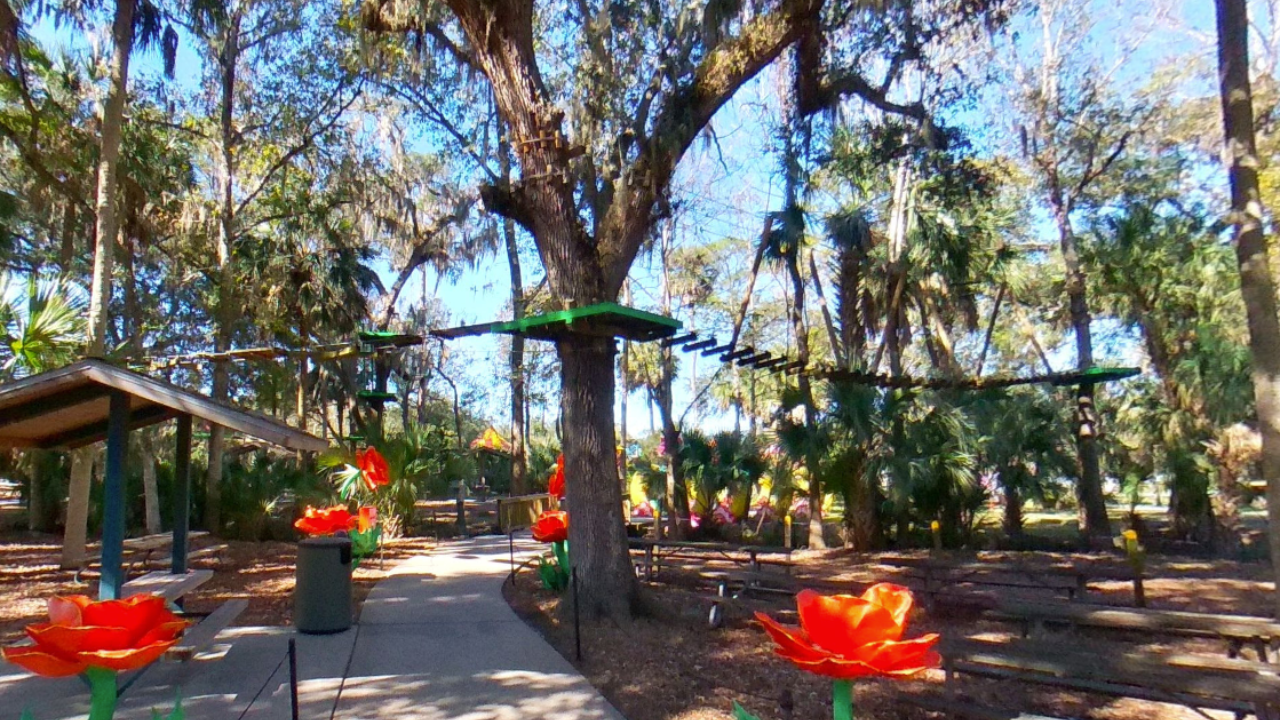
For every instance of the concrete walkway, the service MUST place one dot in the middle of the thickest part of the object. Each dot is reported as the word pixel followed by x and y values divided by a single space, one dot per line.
pixel 435 641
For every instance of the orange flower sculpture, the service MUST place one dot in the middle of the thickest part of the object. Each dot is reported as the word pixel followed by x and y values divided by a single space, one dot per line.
pixel 326 521
pixel 845 637
pixel 552 527
pixel 367 518
pixel 555 485
pixel 373 468
pixel 111 635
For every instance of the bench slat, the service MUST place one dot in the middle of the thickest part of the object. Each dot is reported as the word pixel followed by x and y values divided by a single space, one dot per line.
pixel 1212 682
pixel 1168 621
pixel 167 585
pixel 963 708
pixel 202 635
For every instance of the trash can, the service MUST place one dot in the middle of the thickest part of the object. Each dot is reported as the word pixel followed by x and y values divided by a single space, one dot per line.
pixel 322 593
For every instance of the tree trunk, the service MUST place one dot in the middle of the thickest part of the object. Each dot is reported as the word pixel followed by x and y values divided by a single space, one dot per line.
pixel 676 503
pixel 75 535
pixel 861 518
pixel 1092 504
pixel 1012 510
pixel 597 535
pixel 106 229
pixel 519 455
pixel 1251 253
pixel 150 491
pixel 812 454
pixel 227 306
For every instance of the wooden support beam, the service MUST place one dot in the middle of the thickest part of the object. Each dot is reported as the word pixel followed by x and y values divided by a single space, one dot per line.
pixel 112 579
pixel 716 350
pixel 755 359
pixel 788 368
pixel 678 340
pixel 769 364
pixel 61 401
pixel 741 353
pixel 701 344
pixel 98 431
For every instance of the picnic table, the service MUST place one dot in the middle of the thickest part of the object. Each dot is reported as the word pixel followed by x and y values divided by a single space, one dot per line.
pixel 655 551
pixel 144 550
pixel 173 587
pixel 1239 631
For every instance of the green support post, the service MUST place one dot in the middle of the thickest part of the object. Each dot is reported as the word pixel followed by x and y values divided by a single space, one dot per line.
pixel 112 580
pixel 181 495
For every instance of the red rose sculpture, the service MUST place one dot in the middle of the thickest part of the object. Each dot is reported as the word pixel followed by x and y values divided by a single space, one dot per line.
pixel 552 527
pixel 111 635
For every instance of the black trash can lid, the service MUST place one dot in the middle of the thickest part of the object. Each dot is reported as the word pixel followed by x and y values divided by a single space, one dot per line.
pixel 327 541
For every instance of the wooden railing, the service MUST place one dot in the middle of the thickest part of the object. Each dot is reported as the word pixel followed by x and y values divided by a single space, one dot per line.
pixel 521 511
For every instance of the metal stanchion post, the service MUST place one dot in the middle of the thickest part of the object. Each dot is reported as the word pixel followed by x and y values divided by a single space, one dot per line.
pixel 293 677
pixel 577 627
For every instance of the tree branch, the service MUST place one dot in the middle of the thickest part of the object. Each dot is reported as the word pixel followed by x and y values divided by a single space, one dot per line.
pixel 306 142
pixel 683 114
pixel 852 83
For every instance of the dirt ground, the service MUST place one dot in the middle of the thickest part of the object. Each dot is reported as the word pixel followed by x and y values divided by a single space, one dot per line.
pixel 672 666
pixel 261 572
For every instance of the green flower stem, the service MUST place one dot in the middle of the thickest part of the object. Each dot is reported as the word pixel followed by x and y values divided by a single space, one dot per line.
pixel 561 549
pixel 102 693
pixel 842 700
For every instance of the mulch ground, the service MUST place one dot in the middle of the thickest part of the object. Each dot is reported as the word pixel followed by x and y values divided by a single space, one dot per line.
pixel 261 572
pixel 673 666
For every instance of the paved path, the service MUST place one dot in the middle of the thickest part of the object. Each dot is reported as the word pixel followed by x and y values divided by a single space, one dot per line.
pixel 435 641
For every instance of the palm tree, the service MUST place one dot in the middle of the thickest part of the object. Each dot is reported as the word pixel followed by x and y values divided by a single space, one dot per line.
pixel 783 243
pixel 1163 270
pixel 1022 442
pixel 43 327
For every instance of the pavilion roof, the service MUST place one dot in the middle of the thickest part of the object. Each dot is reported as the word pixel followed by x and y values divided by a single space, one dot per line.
pixel 68 408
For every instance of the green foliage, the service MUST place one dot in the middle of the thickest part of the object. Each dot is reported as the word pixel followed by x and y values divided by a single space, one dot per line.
pixel 254 490
pixel 1024 440
pixel 43 325
pixel 729 463
pixel 555 573
pixel 423 461
pixel 364 544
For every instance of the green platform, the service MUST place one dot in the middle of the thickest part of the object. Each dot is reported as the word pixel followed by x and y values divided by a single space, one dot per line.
pixel 600 320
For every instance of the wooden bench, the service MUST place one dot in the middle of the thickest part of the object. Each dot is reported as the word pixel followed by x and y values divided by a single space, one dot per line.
pixel 655 551
pixel 1202 683
pixel 167 585
pixel 203 553
pixel 736 586
pixel 1239 631
pixel 173 588
pixel 956 707
pixel 200 636
pixel 141 551
pixel 940 575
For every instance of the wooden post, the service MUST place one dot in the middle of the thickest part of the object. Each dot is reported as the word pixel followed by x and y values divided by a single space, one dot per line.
pixel 109 586
pixel 181 495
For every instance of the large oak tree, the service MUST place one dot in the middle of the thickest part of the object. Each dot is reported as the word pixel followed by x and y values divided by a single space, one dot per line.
pixel 601 101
